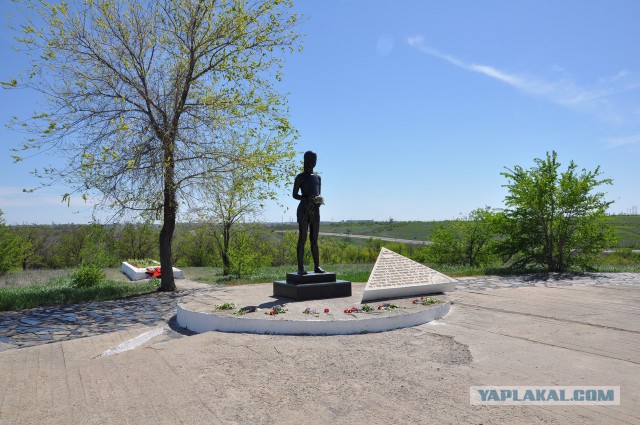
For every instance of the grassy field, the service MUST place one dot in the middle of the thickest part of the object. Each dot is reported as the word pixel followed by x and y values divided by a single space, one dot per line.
pixel 213 275
pixel 31 288
pixel 627 230
pixel 419 230
pixel 40 288
pixel 18 278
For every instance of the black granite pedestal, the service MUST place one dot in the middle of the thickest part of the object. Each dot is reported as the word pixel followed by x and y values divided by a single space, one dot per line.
pixel 311 286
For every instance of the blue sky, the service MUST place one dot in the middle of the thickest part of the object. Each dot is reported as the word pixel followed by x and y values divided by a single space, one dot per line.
pixel 415 107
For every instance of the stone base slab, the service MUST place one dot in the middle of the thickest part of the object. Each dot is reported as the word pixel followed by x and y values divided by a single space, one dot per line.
pixel 312 291
pixel 407 291
pixel 198 313
pixel 295 278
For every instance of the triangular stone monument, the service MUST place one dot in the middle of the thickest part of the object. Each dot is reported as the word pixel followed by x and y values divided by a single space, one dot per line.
pixel 395 276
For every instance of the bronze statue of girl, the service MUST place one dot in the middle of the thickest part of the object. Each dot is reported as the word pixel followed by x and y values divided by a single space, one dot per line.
pixel 308 214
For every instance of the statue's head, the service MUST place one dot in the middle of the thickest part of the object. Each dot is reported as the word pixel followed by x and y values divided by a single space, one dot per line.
pixel 310 158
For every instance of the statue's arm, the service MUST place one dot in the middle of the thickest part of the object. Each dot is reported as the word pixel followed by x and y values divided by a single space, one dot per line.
pixel 319 185
pixel 296 188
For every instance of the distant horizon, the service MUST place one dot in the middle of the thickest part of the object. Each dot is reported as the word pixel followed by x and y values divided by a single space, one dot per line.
pixel 292 223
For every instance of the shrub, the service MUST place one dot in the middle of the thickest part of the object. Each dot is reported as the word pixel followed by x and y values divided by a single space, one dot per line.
pixel 554 219
pixel 10 248
pixel 88 275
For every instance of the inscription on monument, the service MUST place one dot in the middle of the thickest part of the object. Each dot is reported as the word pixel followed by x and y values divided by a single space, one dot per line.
pixel 394 275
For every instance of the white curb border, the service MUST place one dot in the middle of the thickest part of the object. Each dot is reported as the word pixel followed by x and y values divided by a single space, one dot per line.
pixel 418 289
pixel 137 273
pixel 204 322
pixel 133 342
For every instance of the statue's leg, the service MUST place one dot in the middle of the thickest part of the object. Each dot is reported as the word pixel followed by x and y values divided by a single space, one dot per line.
pixel 302 239
pixel 313 239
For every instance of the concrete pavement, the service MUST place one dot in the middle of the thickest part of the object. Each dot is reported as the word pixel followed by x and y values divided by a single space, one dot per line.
pixel 563 333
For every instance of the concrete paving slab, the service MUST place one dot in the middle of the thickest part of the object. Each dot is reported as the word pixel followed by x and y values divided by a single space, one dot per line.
pixel 526 336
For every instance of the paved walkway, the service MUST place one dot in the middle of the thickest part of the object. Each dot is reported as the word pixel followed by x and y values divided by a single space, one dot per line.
pixel 481 283
pixel 44 325
pixel 563 330
pixel 49 324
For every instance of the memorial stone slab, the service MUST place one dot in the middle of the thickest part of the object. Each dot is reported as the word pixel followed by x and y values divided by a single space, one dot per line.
pixel 395 276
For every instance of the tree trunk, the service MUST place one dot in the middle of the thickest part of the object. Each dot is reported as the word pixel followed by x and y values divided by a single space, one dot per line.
pixel 226 236
pixel 167 282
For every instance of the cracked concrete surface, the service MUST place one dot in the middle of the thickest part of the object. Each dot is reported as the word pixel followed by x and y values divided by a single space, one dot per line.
pixel 568 330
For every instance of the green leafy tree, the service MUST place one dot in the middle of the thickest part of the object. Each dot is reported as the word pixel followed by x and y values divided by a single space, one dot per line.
pixel 37 242
pixel 144 94
pixel 468 240
pixel 238 195
pixel 10 248
pixel 196 246
pixel 283 247
pixel 97 249
pixel 85 244
pixel 137 241
pixel 554 219
pixel 244 255
pixel 69 249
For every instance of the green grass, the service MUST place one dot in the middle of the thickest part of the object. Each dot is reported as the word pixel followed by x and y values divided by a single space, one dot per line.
pixel 627 230
pixel 143 263
pixel 619 261
pixel 36 288
pixel 17 278
pixel 351 272
pixel 116 275
pixel 213 275
pixel 58 291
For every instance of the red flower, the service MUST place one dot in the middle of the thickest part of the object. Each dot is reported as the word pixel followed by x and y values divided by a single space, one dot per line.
pixel 422 298
pixel 155 272
pixel 271 313
pixel 326 310
pixel 379 307
pixel 346 311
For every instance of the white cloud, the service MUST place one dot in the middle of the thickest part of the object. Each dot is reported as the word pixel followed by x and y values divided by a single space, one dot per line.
pixel 564 91
pixel 624 141
pixel 15 197
pixel 43 206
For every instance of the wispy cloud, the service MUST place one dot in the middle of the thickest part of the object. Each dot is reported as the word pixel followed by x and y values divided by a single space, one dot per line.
pixel 624 141
pixel 15 197
pixel 564 91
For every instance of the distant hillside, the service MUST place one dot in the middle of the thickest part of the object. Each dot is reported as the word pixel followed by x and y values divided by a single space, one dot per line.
pixel 419 230
pixel 626 228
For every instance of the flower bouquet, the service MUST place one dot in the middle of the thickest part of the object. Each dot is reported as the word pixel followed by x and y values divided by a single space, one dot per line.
pixel 278 309
pixel 317 200
pixel 425 301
